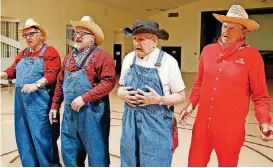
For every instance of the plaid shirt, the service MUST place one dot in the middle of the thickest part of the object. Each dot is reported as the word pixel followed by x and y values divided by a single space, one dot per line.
pixel 100 72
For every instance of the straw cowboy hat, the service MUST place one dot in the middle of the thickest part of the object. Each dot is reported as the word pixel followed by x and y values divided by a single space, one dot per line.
pixel 88 23
pixel 146 26
pixel 237 14
pixel 29 23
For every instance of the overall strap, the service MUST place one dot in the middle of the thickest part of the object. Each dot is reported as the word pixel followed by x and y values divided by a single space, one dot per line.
pixel 43 51
pixel 25 52
pixel 90 56
pixel 160 56
pixel 134 60
pixel 68 61
pixel 157 65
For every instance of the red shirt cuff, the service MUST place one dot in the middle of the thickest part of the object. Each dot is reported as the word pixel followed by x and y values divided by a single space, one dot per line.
pixel 265 120
pixel 193 102
pixel 55 106
pixel 51 78
pixel 87 98
pixel 10 74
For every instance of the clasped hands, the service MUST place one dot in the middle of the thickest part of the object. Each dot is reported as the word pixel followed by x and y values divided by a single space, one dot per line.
pixel 139 97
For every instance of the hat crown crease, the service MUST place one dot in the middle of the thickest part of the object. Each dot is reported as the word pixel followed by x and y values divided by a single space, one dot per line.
pixel 149 23
pixel 237 11
pixel 87 18
pixel 29 22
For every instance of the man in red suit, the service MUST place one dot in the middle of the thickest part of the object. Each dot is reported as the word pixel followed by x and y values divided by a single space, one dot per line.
pixel 230 72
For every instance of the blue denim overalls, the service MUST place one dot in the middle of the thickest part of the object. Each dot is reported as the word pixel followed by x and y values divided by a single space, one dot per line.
pixel 36 138
pixel 146 139
pixel 88 129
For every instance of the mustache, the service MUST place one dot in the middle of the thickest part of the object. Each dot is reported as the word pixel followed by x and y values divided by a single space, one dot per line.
pixel 78 41
pixel 139 49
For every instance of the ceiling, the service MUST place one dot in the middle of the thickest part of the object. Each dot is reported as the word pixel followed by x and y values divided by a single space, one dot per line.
pixel 145 7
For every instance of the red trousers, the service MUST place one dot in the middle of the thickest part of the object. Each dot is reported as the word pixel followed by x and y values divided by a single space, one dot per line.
pixel 201 148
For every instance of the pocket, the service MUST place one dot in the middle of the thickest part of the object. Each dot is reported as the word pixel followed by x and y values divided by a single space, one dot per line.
pixel 44 93
pixel 73 83
pixel 153 82
pixel 34 66
pixel 96 108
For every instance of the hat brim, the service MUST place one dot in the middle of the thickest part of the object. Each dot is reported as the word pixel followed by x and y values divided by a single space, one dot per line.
pixel 250 24
pixel 40 27
pixel 93 27
pixel 160 33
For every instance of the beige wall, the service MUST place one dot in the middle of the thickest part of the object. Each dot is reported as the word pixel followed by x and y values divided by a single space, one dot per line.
pixel 263 38
pixel 185 30
pixel 55 15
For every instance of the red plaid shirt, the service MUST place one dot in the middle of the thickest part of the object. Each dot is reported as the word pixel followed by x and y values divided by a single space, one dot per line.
pixel 101 74
pixel 52 64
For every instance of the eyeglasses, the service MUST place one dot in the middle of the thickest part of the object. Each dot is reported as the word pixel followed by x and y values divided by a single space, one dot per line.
pixel 82 33
pixel 30 34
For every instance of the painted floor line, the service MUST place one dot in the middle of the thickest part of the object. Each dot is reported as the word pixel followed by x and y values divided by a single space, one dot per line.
pixel 4 154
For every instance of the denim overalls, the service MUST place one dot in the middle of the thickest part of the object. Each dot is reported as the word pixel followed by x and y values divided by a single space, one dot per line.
pixel 146 139
pixel 86 131
pixel 36 138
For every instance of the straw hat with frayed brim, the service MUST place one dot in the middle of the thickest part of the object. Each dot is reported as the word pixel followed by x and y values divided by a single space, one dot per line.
pixel 237 14
pixel 31 23
pixel 146 26
pixel 88 23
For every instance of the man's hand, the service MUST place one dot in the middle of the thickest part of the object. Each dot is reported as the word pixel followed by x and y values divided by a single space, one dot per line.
pixel 77 104
pixel 127 95
pixel 53 116
pixel 4 75
pixel 28 88
pixel 266 132
pixel 147 98
pixel 186 112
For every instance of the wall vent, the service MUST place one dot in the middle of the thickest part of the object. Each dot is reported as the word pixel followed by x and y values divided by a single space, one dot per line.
pixel 173 15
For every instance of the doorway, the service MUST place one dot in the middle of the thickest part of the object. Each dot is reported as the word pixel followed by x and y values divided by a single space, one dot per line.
pixel 117 57
pixel 175 52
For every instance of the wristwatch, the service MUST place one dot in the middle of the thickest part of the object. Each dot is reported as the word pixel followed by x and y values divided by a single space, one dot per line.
pixel 38 85
pixel 161 101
